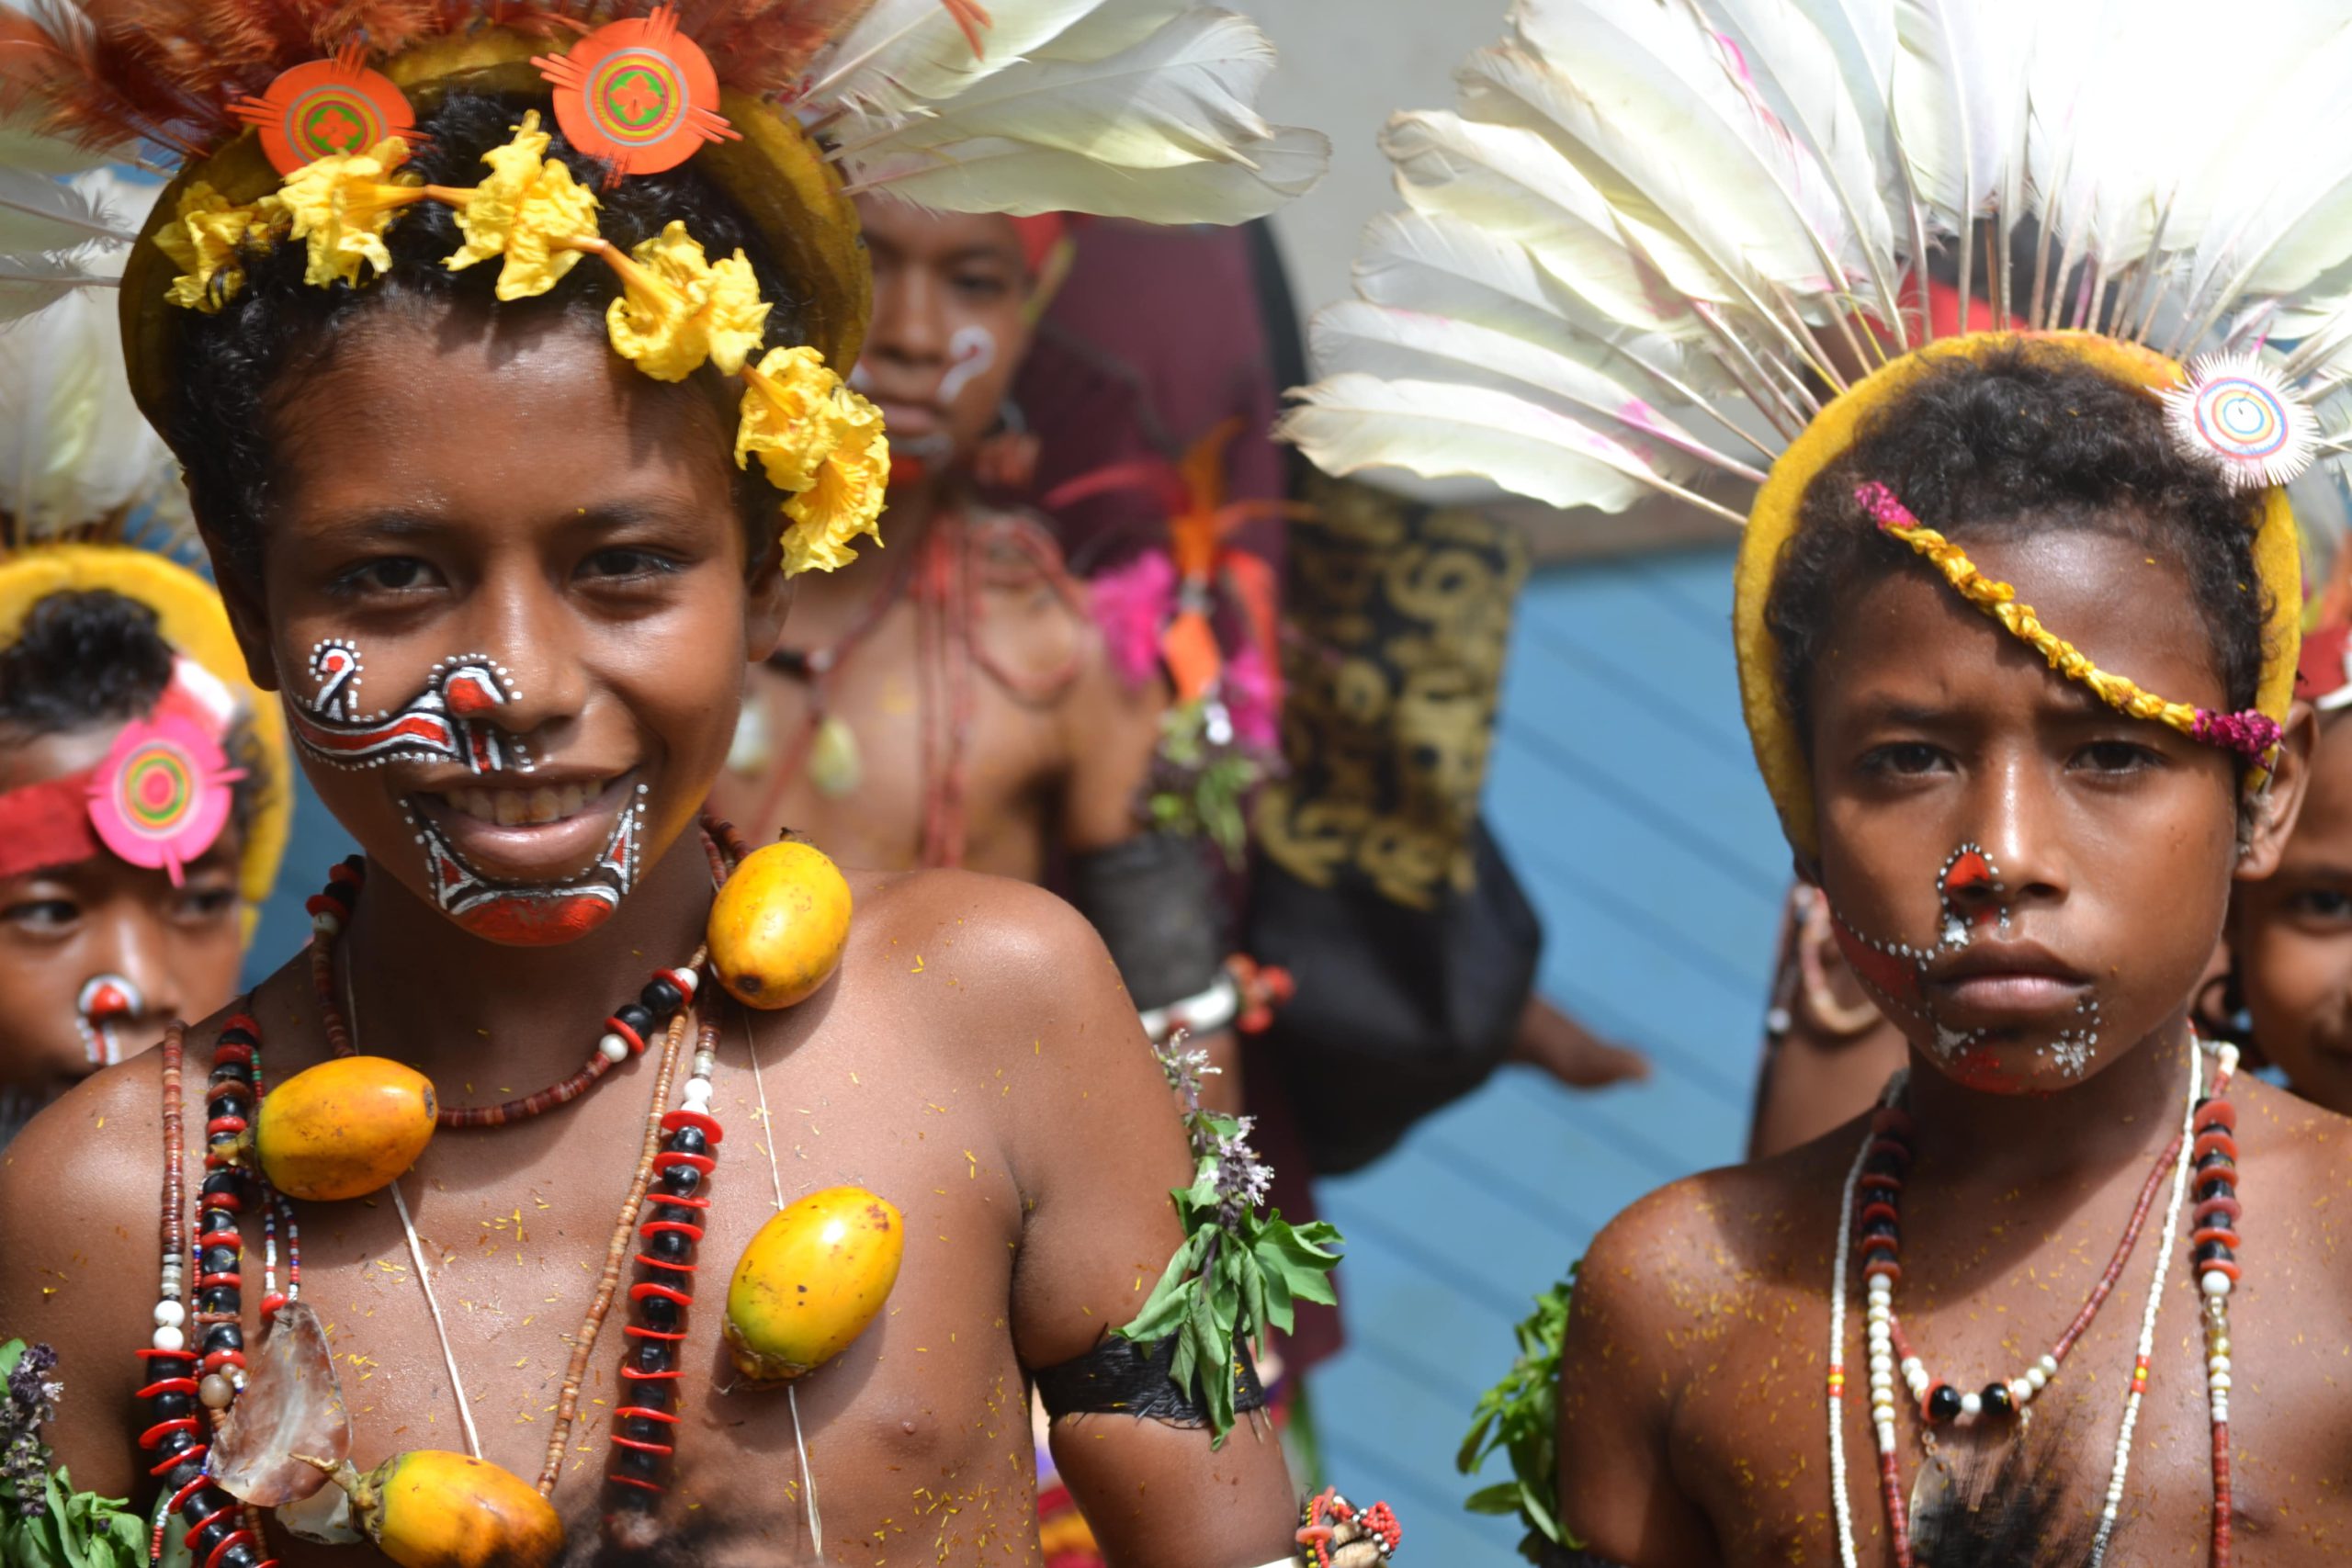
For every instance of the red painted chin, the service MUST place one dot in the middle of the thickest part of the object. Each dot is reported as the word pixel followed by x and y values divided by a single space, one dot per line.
pixel 537 921
pixel 1981 1068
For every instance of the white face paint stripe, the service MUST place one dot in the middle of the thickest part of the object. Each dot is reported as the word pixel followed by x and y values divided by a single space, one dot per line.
pixel 971 353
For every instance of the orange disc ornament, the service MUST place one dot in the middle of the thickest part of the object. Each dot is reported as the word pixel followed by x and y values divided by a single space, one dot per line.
pixel 325 107
pixel 637 93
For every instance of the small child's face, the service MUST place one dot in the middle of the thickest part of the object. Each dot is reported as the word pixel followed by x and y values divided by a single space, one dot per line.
pixel 2291 935
pixel 97 957
pixel 951 292
pixel 2030 882
pixel 505 598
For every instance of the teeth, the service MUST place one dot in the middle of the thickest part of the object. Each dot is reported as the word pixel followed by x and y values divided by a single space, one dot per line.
pixel 516 808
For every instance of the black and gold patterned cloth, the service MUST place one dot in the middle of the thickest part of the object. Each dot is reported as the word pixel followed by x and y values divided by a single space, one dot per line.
pixel 1377 887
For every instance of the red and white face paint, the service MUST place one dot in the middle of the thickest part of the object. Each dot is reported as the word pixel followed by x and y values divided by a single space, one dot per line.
pixel 1972 899
pixel 448 721
pixel 103 1001
pixel 453 720
pixel 533 914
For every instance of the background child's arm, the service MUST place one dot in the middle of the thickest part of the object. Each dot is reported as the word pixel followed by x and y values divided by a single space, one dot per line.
pixel 1097 1145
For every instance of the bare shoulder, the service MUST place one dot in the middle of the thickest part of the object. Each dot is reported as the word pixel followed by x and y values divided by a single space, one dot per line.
pixel 81 1193
pixel 1707 1244
pixel 1007 949
pixel 2302 1153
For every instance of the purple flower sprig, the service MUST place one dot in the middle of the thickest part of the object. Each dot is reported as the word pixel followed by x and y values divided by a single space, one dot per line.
pixel 31 1400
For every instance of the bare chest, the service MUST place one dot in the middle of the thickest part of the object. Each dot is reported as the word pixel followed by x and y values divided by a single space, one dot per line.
pixel 1752 1439
pixel 915 1437
pixel 911 736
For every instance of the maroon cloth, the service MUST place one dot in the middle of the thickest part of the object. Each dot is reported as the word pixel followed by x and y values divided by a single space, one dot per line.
pixel 1156 337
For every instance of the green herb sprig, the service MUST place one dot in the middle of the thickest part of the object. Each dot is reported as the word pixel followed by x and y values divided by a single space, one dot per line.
pixel 1521 1416
pixel 1239 1271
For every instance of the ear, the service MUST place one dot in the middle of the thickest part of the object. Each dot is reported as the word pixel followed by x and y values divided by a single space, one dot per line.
pixel 1805 868
pixel 2276 812
pixel 767 604
pixel 248 610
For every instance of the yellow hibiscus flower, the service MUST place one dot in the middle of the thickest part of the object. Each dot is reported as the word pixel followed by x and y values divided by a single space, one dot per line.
pixel 822 444
pixel 678 309
pixel 790 417
pixel 342 204
pixel 524 211
pixel 846 498
pixel 204 238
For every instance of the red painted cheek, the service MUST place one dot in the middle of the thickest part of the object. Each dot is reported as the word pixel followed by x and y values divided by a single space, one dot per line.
pixel 537 921
pixel 1894 978
pixel 1978 1068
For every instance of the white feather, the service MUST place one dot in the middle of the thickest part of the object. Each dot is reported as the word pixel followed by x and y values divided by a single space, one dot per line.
pixel 1644 101
pixel 39 213
pixel 2281 187
pixel 73 450
pixel 1442 266
pixel 1347 423
pixel 1789 62
pixel 904 56
pixel 1516 185
pixel 993 174
pixel 1179 95
pixel 1606 391
pixel 35 151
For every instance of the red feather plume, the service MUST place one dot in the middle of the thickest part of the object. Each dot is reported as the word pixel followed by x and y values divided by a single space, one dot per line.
pixel 112 74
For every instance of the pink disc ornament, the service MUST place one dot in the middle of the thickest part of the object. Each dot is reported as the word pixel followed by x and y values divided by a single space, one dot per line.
pixel 162 796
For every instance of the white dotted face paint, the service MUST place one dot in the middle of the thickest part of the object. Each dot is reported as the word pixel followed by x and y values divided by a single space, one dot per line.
pixel 447 722
pixel 971 354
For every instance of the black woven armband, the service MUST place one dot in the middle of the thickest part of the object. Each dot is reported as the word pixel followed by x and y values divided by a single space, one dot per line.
pixel 1154 902
pixel 1119 1377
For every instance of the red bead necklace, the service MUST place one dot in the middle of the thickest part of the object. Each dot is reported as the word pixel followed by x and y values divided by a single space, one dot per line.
pixel 627 1029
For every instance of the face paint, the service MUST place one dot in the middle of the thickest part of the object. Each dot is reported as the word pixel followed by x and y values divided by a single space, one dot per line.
pixel 447 722
pixel 1970 894
pixel 971 354
pixel 1967 869
pixel 533 914
pixel 102 999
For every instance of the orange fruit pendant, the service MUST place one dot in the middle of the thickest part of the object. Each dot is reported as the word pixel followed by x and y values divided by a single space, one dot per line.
pixel 344 1128
pixel 810 1282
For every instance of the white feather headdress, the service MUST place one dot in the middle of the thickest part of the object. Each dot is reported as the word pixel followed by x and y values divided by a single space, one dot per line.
pixel 1651 232
pixel 77 460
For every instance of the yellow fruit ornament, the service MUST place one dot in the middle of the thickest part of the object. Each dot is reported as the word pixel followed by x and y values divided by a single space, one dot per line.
pixel 811 1280
pixel 778 926
pixel 431 1509
pixel 344 1128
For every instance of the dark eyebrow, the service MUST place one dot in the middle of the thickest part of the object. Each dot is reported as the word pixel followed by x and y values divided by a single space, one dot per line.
pixel 397 524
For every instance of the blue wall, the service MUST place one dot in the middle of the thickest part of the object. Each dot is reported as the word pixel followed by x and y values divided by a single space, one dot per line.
pixel 1622 790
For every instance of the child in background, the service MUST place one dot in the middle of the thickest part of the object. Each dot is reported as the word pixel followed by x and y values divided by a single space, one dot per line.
pixel 2289 937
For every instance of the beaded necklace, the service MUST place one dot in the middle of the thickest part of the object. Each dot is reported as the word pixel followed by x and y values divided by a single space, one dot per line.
pixel 1870 1197
pixel 626 1028
pixel 182 1377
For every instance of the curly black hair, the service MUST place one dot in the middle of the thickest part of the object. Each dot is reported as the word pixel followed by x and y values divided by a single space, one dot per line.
pixel 236 366
pixel 2027 436
pixel 90 656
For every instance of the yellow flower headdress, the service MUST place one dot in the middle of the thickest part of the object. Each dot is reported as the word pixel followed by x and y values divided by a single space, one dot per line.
pixel 1682 249
pixel 774 100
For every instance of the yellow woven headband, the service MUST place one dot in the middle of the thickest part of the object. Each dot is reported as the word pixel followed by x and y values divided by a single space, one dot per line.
pixel 1773 522
pixel 191 619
